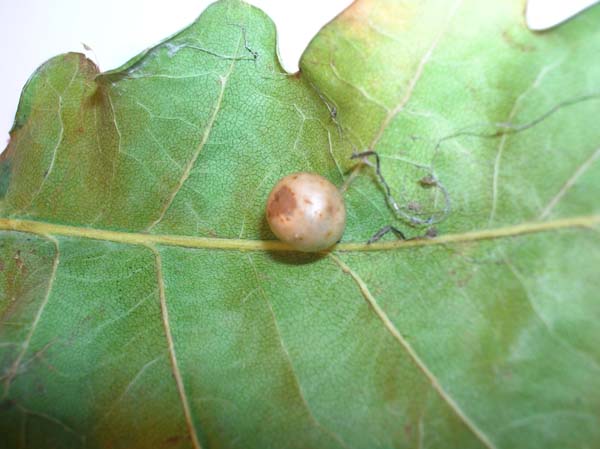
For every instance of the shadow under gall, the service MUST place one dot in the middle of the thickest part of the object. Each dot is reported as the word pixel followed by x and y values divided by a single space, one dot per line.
pixel 287 257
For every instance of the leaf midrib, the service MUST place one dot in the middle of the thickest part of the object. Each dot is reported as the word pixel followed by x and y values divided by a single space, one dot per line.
pixel 145 239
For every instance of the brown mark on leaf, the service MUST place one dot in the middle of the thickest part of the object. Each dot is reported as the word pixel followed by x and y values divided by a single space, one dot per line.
pixel 367 18
pixel 10 148
pixel 282 203
pixel 414 206
pixel 97 99
pixel 514 43
pixel 86 65
pixel 464 281
pixel 39 355
pixel 14 285
pixel 40 388
pixel 431 233
pixel 173 441
pixel 461 279
pixel 355 14
pixel 7 404
pixel 19 263
pixel 428 181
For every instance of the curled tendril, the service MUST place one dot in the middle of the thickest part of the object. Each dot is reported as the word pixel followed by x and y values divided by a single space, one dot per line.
pixel 428 181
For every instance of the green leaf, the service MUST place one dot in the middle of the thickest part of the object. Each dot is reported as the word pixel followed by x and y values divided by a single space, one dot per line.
pixel 144 302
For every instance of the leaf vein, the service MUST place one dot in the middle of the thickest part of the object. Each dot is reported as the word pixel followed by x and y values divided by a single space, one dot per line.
pixel 501 145
pixel 288 359
pixel 14 368
pixel 415 79
pixel 59 140
pixel 389 325
pixel 171 349
pixel 223 80
pixel 548 326
pixel 133 238
pixel 579 172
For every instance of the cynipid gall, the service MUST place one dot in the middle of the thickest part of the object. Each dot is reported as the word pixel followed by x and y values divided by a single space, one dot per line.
pixel 306 211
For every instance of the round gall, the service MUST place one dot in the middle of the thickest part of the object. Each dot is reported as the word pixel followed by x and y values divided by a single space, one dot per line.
pixel 306 211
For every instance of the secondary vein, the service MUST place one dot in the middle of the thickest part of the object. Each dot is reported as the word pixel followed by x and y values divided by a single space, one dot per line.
pixel 14 368
pixel 172 356
pixel 393 330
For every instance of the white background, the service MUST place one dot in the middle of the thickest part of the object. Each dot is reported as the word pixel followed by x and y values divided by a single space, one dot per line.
pixel 32 31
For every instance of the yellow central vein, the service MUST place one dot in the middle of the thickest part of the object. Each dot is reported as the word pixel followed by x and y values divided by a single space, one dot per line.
pixel 412 353
pixel 171 348
pixel 139 238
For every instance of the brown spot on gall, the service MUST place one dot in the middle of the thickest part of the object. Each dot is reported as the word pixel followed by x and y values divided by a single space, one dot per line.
pixel 306 211
pixel 283 203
